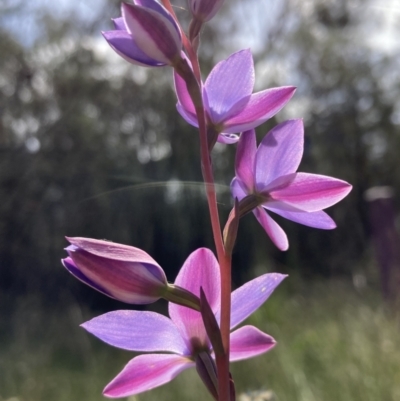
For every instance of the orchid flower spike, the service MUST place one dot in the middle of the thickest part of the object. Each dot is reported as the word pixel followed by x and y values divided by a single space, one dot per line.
pixel 228 100
pixel 122 272
pixel 181 342
pixel 266 180
pixel 146 35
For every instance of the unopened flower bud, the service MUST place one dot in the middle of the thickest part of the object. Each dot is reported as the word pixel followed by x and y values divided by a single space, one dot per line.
pixel 146 35
pixel 119 271
pixel 204 10
pixel 123 272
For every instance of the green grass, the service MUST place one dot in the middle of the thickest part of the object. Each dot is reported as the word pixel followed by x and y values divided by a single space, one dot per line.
pixel 333 344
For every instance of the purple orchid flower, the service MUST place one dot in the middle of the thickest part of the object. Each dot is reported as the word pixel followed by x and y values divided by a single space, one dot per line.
pixel 182 339
pixel 204 10
pixel 122 272
pixel 228 100
pixel 267 177
pixel 146 35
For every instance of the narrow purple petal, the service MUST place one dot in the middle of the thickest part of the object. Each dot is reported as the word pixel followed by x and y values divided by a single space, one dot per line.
pixel 312 192
pixel 313 219
pixel 156 35
pixel 261 107
pixel 250 296
pixel 119 24
pixel 123 44
pixel 245 158
pixel 248 342
pixel 69 264
pixel 229 86
pixel 137 331
pixel 237 189
pixel 146 372
pixel 200 269
pixel 274 231
pixel 279 153
pixel 183 95
pixel 188 117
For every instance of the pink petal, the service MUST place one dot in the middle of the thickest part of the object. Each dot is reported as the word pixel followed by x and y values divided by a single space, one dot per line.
pixel 200 269
pixel 311 192
pixel 237 189
pixel 229 86
pixel 182 93
pixel 279 153
pixel 188 117
pixel 272 228
pixel 137 331
pixel 112 250
pixel 261 107
pixel 245 158
pixel 146 372
pixel 123 44
pixel 312 219
pixel 250 296
pixel 154 34
pixel 248 342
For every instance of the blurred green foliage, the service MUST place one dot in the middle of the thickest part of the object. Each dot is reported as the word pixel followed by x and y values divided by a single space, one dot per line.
pixel 333 344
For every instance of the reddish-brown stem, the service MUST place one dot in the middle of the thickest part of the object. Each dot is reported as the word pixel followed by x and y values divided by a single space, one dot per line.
pixel 224 258
pixel 194 86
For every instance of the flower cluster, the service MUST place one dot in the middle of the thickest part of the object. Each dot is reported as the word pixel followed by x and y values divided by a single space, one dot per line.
pixel 202 309
pixel 182 339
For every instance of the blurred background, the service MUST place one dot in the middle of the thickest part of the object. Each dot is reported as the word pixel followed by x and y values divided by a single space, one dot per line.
pixel 93 146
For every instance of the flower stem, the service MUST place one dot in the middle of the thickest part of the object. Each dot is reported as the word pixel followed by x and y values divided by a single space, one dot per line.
pixel 224 258
pixel 193 82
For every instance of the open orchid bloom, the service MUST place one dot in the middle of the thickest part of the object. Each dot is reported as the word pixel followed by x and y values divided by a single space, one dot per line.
pixel 267 177
pixel 146 34
pixel 182 339
pixel 230 105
